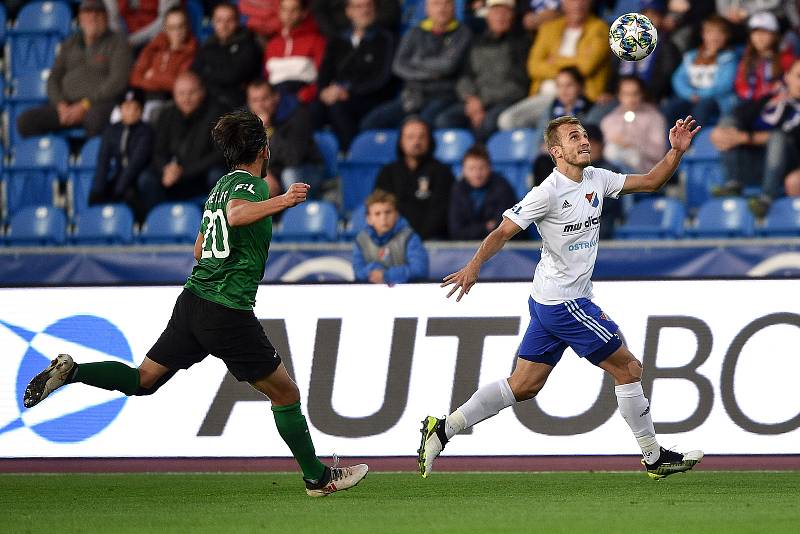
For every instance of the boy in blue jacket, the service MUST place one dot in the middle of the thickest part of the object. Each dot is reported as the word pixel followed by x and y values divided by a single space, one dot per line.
pixel 388 250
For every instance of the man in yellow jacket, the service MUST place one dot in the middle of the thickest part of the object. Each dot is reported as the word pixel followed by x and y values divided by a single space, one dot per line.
pixel 575 39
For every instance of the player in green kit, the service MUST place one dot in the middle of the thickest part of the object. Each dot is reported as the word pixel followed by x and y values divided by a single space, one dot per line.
pixel 214 313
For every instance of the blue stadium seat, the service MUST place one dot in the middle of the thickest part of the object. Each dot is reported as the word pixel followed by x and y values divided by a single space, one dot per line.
pixel 653 218
pixel 451 144
pixel 111 224
pixel 47 17
pixel 723 217
pixel 329 148
pixel 29 86
pixel 310 221
pixel 81 175
pixel 512 153
pixel 783 218
pixel 33 173
pixel 30 52
pixel 3 22
pixel 701 169
pixel 356 223
pixel 37 226
pixel 171 223
pixel 368 153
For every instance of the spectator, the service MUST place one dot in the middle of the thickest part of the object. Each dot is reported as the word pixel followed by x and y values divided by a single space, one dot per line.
pixel 293 57
pixel 420 183
pixel 762 66
pixel 125 151
pixel 262 17
pixel 765 146
pixel 543 165
pixel 634 130
pixel 185 162
pixel 792 183
pixel 89 74
pixel 478 200
pixel 492 79
pixel 356 73
pixel 294 156
pixel 538 12
pixel 428 61
pixel 229 59
pixel 683 21
pixel 655 70
pixel 569 99
pixel 167 55
pixel 141 19
pixel 703 83
pixel 737 12
pixel 388 251
pixel 333 20
pixel 576 39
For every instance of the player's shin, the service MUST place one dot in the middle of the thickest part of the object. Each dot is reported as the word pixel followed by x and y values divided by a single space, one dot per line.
pixel 635 409
pixel 293 428
pixel 113 376
pixel 486 402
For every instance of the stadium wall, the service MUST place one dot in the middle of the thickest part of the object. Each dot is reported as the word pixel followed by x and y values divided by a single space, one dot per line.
pixel 371 361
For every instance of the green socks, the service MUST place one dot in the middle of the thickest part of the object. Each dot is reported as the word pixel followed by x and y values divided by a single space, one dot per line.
pixel 293 429
pixel 108 375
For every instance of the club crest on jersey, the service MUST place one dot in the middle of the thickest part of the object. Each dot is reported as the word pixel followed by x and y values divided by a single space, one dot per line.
pixel 592 199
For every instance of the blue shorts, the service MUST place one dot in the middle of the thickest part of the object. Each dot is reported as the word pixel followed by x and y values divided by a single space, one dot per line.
pixel 579 324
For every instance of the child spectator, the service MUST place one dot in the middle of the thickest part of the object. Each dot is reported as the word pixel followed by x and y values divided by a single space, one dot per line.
pixel 703 83
pixel 388 251
pixel 125 151
pixel 478 200
pixel 634 130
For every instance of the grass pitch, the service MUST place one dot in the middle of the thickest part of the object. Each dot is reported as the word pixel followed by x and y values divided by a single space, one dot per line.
pixel 699 501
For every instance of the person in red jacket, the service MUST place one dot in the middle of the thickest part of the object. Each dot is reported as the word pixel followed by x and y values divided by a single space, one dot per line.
pixel 762 66
pixel 293 57
pixel 262 16
pixel 167 55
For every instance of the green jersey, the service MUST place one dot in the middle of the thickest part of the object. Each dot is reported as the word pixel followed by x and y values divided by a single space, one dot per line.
pixel 233 259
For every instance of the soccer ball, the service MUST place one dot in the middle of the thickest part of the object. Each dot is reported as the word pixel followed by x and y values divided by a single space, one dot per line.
pixel 632 37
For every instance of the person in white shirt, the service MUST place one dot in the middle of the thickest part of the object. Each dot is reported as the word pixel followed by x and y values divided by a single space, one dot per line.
pixel 566 209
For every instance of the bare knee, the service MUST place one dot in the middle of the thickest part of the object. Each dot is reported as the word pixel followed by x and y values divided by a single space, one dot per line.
pixel 525 389
pixel 285 396
pixel 627 372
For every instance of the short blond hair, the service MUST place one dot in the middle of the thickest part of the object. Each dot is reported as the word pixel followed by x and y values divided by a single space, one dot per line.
pixel 551 137
pixel 379 196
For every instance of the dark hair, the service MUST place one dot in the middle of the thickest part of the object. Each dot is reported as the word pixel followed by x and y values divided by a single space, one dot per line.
pixel 477 151
pixel 240 135
pixel 635 79
pixel 579 78
pixel 415 119
pixel 258 83
pixel 228 5
pixel 177 9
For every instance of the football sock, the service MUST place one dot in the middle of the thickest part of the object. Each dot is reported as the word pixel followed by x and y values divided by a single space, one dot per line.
pixel 635 409
pixel 293 429
pixel 113 376
pixel 484 403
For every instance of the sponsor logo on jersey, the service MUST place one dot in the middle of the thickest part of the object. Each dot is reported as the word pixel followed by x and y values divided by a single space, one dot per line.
pixel 582 245
pixel 580 227
pixel 246 187
pixel 566 205
pixel 63 417
pixel 592 199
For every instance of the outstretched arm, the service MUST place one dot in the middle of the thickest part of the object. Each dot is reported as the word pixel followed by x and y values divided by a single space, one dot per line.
pixel 468 276
pixel 680 137
pixel 243 212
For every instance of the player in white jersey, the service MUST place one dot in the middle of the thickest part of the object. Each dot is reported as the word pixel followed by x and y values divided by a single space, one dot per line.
pixel 566 208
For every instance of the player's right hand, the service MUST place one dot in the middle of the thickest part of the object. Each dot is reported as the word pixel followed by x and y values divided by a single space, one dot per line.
pixel 296 194
pixel 463 280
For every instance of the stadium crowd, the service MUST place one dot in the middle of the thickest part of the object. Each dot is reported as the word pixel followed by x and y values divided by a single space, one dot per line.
pixel 451 81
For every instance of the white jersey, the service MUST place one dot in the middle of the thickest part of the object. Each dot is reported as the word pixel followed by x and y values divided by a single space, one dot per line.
pixel 567 215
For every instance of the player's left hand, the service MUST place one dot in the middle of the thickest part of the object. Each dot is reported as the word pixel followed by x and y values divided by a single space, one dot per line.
pixel 681 135
pixel 463 280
